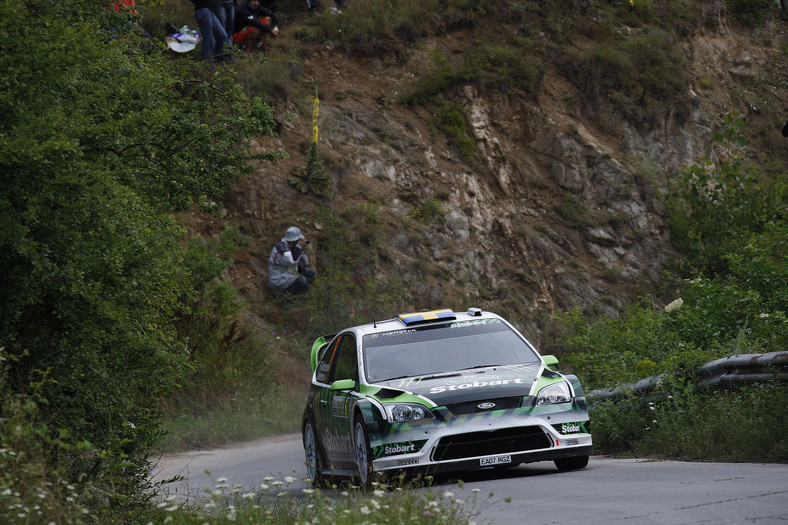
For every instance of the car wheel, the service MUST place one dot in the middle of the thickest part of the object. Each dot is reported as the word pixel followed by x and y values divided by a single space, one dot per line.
pixel 573 463
pixel 312 457
pixel 363 462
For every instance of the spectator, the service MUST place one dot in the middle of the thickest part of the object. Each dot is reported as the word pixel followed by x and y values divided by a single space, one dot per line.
pixel 253 24
pixel 124 6
pixel 269 4
pixel 312 5
pixel 211 30
pixel 287 265
pixel 225 12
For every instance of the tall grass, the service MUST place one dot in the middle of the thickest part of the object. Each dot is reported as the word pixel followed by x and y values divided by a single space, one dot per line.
pixel 748 424
pixel 275 502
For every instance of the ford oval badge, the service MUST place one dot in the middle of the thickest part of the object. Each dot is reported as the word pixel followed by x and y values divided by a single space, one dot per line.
pixel 486 405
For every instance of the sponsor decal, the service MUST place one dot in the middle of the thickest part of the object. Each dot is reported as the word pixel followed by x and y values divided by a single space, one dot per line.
pixel 335 442
pixel 570 442
pixel 339 406
pixel 394 333
pixel 497 460
pixel 390 450
pixel 574 427
pixel 462 324
pixel 486 406
pixel 475 384
pixel 397 449
pixel 404 462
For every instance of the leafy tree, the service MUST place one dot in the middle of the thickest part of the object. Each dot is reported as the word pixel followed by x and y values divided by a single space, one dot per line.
pixel 716 206
pixel 102 135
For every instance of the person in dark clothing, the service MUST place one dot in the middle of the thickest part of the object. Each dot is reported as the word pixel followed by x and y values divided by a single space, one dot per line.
pixel 253 24
pixel 225 12
pixel 213 35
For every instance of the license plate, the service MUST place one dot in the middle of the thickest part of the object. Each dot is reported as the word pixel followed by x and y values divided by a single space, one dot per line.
pixel 497 460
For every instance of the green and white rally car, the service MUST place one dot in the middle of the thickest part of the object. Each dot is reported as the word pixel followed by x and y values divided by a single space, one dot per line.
pixel 438 391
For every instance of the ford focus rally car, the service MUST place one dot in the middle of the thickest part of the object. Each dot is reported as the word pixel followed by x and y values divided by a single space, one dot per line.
pixel 438 391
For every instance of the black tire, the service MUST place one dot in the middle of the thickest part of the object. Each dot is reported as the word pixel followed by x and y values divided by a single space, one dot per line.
pixel 313 458
pixel 573 463
pixel 362 453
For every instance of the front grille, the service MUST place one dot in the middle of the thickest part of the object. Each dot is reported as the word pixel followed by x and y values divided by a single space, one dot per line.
pixel 472 407
pixel 506 441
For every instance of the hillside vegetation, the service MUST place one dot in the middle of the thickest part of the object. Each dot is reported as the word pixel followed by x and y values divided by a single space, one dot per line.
pixel 573 165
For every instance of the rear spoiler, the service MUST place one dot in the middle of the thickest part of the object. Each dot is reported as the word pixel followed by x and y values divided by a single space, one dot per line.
pixel 318 345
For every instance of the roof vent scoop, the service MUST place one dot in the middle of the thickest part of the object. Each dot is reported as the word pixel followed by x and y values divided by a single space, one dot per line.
pixel 475 312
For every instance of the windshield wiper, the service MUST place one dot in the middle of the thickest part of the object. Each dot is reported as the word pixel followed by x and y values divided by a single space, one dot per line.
pixel 439 375
pixel 480 366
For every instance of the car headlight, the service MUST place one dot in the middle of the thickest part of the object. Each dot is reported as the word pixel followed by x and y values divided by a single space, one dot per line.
pixel 553 394
pixel 408 412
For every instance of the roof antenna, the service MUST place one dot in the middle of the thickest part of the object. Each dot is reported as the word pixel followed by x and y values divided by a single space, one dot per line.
pixel 374 315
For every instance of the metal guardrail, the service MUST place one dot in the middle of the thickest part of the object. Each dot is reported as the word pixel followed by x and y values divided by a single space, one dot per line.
pixel 736 370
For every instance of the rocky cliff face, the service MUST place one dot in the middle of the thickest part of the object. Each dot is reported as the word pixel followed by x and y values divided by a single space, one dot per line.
pixel 560 207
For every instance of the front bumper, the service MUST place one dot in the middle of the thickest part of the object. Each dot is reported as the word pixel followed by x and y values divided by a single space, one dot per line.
pixel 480 443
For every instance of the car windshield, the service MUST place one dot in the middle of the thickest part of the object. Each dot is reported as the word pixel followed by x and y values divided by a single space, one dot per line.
pixel 436 349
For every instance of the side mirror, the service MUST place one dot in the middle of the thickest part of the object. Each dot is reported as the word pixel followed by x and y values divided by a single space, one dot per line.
pixel 550 360
pixel 343 384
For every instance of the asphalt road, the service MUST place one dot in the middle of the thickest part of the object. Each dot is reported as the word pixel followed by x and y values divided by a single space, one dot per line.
pixel 629 491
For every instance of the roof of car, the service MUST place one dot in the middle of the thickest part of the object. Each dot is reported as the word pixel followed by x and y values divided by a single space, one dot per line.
pixel 411 319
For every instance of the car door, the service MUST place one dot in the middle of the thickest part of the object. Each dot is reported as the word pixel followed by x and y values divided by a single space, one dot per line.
pixel 333 406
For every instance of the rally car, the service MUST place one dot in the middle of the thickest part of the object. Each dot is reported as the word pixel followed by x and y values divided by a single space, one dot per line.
pixel 438 391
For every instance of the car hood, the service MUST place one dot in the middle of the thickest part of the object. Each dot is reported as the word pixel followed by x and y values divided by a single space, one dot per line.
pixel 468 385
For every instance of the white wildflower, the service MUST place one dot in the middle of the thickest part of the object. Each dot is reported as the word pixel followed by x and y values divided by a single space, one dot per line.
pixel 365 510
pixel 675 305
pixel 289 479
pixel 308 491
pixel 448 494
pixel 247 495
pixel 379 493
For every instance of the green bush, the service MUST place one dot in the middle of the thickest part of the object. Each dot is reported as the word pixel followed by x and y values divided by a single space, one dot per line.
pixel 750 12
pixel 450 118
pixel 716 209
pixel 747 424
pixel 96 154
